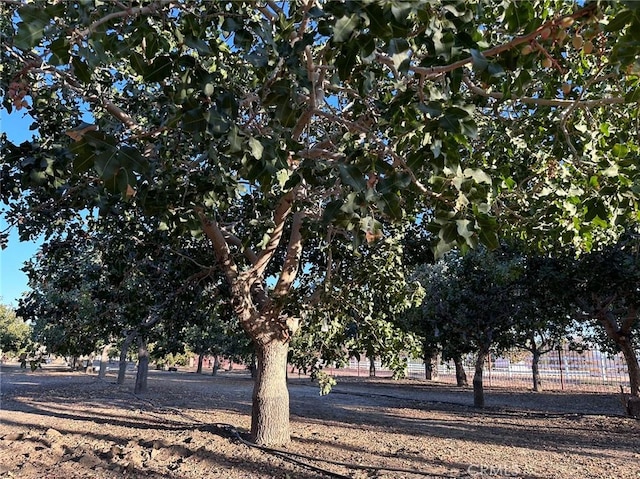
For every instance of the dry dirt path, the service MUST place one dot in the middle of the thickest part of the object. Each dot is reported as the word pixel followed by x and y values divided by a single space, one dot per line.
pixel 57 424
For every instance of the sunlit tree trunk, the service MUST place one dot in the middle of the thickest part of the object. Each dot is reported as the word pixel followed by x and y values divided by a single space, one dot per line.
pixel 216 365
pixel 104 360
pixel 270 413
pixel 143 367
pixel 461 375
pixel 630 357
pixel 89 367
pixel 260 313
pixel 122 367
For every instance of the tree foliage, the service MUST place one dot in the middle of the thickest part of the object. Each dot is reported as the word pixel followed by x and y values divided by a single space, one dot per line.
pixel 15 334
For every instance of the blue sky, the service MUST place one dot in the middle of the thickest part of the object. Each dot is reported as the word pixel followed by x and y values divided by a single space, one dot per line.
pixel 13 282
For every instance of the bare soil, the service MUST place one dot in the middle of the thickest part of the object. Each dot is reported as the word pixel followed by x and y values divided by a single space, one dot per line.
pixel 60 424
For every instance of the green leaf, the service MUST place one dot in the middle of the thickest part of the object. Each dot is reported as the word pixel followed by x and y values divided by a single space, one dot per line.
pixel 343 28
pixel 60 52
pixel 131 159
pixel 480 63
pixel 619 21
pixel 256 148
pixel 159 70
pixel 478 175
pixel 633 95
pixel 243 39
pixel 234 139
pixel 138 63
pixel 107 164
pixel 352 176
pixel 347 59
pixel 81 70
pixel 619 150
pixel 331 210
pixel 28 36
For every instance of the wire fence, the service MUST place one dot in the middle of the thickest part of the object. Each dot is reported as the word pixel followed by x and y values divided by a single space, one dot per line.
pixel 561 370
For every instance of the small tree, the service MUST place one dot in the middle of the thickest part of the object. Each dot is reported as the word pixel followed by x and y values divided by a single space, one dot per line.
pixel 470 301
pixel 543 312
pixel 607 282
pixel 15 333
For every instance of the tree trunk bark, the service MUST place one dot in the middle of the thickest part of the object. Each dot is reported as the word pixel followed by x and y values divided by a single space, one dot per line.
pixel 535 371
pixel 478 386
pixel 104 360
pixel 461 375
pixel 270 412
pixel 372 366
pixel 122 367
pixel 200 361
pixel 89 367
pixel 430 365
pixel 632 364
pixel 216 365
pixel 143 367
pixel 621 335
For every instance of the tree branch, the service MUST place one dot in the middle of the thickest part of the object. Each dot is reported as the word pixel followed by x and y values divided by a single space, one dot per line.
pixel 439 70
pixel 553 102
pixel 282 211
pixel 220 246
pixel 292 258
pixel 129 12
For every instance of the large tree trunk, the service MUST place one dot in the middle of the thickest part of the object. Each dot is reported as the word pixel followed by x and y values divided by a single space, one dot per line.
pixel 216 365
pixel 430 365
pixel 259 311
pixel 200 361
pixel 461 375
pixel 89 367
pixel 143 367
pixel 104 360
pixel 621 335
pixel 122 367
pixel 478 386
pixel 632 364
pixel 535 370
pixel 270 413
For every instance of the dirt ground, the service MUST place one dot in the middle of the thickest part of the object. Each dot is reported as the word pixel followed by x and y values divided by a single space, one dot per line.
pixel 58 424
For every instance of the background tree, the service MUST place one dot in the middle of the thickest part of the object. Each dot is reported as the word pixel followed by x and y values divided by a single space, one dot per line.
pixel 15 334
pixel 358 308
pixel 471 301
pixel 338 112
pixel 607 283
pixel 544 314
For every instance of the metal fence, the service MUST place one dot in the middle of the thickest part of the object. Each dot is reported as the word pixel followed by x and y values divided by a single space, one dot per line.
pixel 562 370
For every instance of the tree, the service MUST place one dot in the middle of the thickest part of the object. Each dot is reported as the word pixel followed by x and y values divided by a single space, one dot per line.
pixel 253 123
pixel 543 311
pixel 471 302
pixel 358 310
pixel 14 332
pixel 607 282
